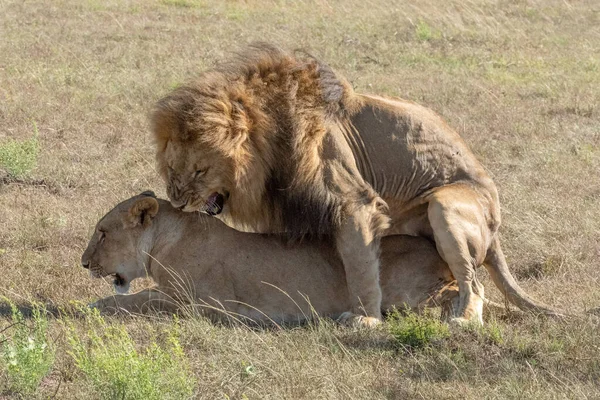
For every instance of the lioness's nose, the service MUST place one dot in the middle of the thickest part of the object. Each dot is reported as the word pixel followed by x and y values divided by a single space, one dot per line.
pixel 85 264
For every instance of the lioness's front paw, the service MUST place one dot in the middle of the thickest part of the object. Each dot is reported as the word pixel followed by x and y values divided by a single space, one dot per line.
pixel 108 304
pixel 358 321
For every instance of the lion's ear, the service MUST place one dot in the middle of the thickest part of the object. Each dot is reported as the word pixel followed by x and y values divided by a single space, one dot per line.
pixel 141 213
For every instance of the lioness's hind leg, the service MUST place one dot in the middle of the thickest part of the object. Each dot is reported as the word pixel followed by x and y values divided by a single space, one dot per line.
pixel 461 236
pixel 449 302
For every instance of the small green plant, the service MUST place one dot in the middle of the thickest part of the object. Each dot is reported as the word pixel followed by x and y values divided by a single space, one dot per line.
pixel 423 31
pixel 525 349
pixel 109 359
pixel 19 157
pixel 183 3
pixel 248 371
pixel 491 332
pixel 416 331
pixel 27 355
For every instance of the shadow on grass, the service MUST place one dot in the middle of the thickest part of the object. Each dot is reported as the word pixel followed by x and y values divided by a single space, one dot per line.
pixel 26 309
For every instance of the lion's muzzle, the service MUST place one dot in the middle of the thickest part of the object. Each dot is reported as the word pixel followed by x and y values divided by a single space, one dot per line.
pixel 214 204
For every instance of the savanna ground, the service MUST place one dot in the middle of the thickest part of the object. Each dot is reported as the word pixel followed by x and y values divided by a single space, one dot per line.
pixel 519 80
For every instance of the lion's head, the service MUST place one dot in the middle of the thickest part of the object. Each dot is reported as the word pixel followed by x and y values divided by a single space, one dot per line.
pixel 120 237
pixel 203 147
pixel 198 177
pixel 226 144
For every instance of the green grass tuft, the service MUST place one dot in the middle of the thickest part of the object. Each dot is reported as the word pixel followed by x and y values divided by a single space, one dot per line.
pixel 109 359
pixel 183 3
pixel 17 157
pixel 416 331
pixel 27 356
pixel 423 31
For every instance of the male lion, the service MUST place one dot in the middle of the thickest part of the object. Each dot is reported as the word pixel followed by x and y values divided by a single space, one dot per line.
pixel 278 143
pixel 196 258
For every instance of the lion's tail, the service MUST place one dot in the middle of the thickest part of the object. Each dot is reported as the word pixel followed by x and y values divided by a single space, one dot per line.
pixel 496 265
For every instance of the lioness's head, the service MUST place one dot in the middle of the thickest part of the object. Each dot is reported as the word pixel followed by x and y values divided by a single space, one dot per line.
pixel 120 241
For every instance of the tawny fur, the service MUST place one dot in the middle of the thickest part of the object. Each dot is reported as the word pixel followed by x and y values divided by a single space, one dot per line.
pixel 262 118
pixel 196 259
pixel 295 151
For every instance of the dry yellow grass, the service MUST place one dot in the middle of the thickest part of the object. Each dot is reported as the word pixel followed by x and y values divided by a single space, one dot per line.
pixel 520 81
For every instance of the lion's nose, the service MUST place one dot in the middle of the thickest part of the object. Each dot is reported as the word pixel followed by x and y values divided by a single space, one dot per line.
pixel 85 264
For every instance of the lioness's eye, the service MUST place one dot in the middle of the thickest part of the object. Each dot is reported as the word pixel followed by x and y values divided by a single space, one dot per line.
pixel 102 236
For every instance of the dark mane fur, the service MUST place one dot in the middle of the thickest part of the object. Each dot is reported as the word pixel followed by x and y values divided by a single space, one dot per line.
pixel 283 102
pixel 301 210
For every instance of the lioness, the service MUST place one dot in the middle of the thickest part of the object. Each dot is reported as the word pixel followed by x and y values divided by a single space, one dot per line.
pixel 278 143
pixel 194 257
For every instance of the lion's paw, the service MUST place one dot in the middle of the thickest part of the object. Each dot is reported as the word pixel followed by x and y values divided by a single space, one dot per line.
pixel 358 321
pixel 465 322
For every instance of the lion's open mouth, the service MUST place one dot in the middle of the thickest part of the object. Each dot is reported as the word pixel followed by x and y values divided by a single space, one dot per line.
pixel 214 204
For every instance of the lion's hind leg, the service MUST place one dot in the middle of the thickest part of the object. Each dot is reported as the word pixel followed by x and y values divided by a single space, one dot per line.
pixel 449 302
pixel 357 321
pixel 461 236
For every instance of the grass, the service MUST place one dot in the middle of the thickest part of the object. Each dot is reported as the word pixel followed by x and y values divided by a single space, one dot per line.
pixel 19 157
pixel 424 32
pixel 27 355
pixel 182 3
pixel 517 79
pixel 108 358
pixel 414 331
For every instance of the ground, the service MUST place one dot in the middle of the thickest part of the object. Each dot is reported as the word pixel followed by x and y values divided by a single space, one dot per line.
pixel 519 80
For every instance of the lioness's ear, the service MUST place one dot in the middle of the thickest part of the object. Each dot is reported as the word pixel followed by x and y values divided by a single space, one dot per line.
pixel 141 213
pixel 149 193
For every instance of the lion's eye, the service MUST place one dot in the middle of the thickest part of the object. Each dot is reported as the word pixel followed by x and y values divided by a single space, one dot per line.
pixel 200 172
pixel 102 236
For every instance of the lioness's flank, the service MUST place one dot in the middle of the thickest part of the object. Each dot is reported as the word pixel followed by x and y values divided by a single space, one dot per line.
pixel 194 257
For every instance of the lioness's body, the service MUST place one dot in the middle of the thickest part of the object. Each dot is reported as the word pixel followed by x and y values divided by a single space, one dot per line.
pixel 197 258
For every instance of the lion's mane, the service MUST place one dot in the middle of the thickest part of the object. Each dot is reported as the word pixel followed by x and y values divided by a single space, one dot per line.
pixel 268 110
